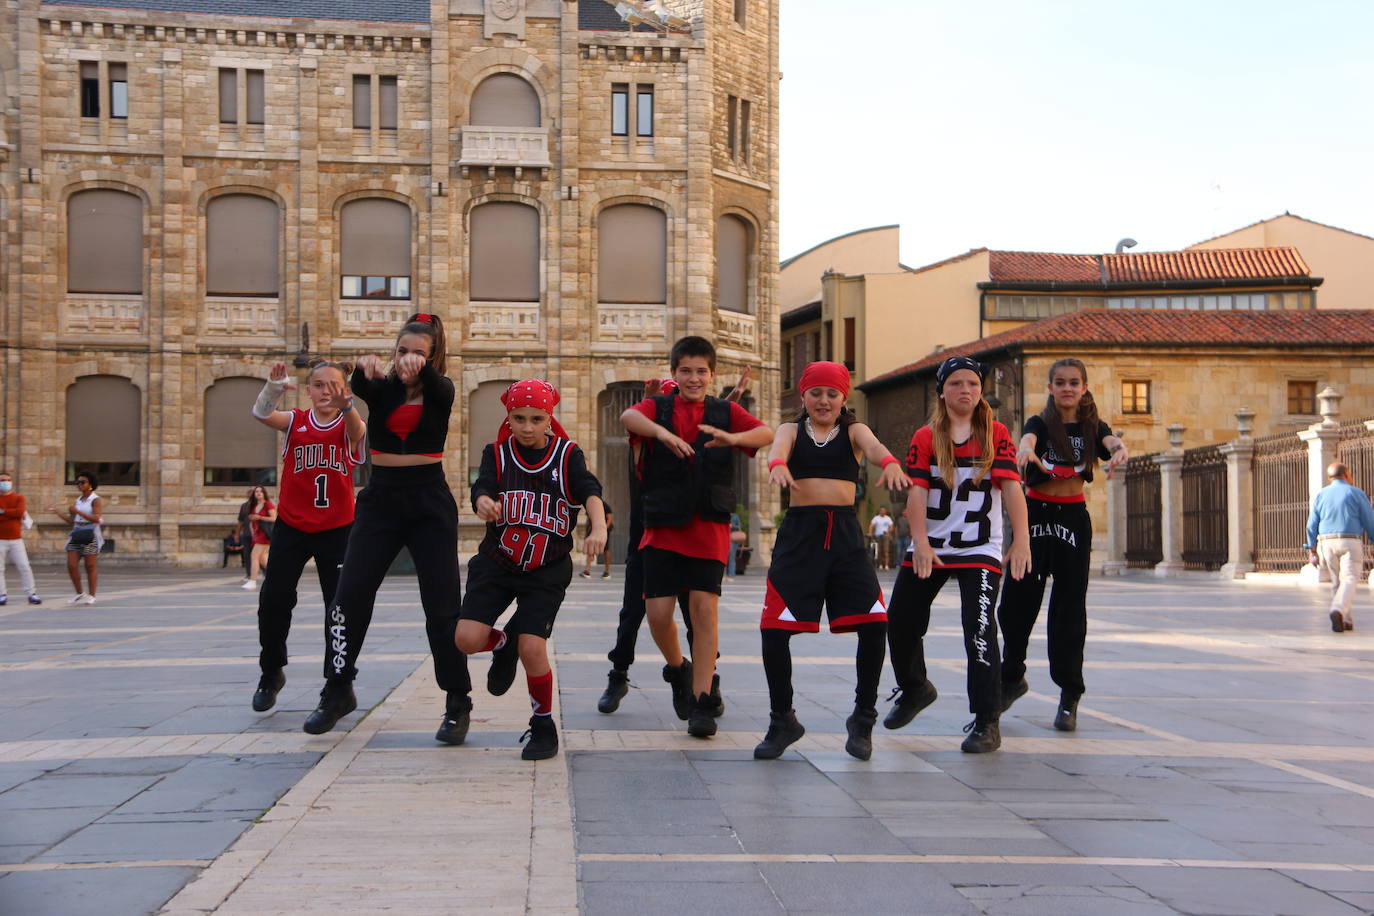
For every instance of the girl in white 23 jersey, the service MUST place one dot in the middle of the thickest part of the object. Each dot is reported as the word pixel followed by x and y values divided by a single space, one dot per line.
pixel 962 467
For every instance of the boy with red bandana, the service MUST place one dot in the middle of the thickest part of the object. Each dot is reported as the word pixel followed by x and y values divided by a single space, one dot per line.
pixel 687 470
pixel 532 481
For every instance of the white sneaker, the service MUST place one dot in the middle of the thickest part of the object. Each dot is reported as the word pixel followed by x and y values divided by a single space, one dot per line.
pixel 76 599
pixel 88 599
pixel 250 585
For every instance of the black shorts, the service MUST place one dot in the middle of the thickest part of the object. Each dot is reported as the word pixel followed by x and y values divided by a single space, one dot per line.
pixel 667 572
pixel 537 594
pixel 819 558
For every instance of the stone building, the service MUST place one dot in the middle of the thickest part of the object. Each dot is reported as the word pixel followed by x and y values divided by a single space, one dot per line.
pixel 1152 369
pixel 192 189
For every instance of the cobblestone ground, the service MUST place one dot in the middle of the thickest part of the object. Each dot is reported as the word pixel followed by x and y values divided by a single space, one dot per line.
pixel 1221 765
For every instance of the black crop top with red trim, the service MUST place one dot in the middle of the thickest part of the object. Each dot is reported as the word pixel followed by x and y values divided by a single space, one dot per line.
pixel 384 395
pixel 834 461
pixel 1066 467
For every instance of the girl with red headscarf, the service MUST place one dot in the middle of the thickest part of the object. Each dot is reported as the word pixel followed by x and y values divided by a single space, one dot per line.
pixel 819 556
pixel 531 484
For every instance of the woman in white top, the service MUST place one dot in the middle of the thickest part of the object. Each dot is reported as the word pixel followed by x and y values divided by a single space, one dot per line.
pixel 85 539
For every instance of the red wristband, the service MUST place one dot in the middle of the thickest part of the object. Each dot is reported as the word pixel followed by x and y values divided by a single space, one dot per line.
pixel 889 460
pixel 775 462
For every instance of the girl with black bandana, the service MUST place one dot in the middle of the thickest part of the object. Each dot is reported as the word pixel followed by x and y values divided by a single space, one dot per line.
pixel 1058 450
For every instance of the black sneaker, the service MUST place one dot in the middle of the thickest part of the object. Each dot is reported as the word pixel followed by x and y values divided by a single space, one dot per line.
pixel 336 701
pixel 1066 719
pixel 680 679
pixel 907 705
pixel 718 709
pixel 454 728
pixel 543 739
pixel 265 697
pixel 783 730
pixel 860 726
pixel 1337 622
pixel 984 735
pixel 501 674
pixel 1013 691
pixel 701 724
pixel 617 685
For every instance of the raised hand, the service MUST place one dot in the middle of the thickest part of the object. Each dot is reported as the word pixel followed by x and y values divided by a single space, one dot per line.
pixel 279 375
pixel 371 366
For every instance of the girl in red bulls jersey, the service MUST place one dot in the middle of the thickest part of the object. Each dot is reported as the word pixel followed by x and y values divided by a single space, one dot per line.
pixel 962 466
pixel 406 503
pixel 819 556
pixel 530 486
pixel 1057 454
pixel 320 447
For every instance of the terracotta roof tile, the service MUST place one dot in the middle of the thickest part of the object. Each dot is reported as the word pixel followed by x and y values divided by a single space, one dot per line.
pixel 1158 328
pixel 1146 267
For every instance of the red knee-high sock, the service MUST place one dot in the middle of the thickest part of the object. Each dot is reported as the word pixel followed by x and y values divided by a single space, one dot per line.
pixel 495 640
pixel 541 693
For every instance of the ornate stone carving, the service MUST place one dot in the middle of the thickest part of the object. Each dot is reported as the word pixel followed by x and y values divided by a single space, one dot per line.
pixel 242 316
pixel 738 330
pixel 505 146
pixel 102 314
pixel 372 319
pixel 505 321
pixel 504 17
pixel 632 322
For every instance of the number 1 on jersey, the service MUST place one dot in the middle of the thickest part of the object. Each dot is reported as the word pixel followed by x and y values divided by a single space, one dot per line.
pixel 524 547
pixel 321 495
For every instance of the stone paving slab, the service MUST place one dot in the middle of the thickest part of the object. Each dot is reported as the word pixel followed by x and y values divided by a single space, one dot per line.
pixel 1222 766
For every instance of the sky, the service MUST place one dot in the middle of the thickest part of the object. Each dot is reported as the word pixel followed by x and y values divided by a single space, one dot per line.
pixel 1065 125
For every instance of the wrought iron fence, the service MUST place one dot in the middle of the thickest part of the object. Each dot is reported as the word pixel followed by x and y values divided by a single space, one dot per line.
pixel 1144 537
pixel 1355 449
pixel 1204 508
pixel 1280 498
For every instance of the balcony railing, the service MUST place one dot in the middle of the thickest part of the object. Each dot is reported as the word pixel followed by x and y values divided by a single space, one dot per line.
pixel 519 147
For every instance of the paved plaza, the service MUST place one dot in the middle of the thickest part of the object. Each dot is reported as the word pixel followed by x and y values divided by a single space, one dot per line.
pixel 1222 765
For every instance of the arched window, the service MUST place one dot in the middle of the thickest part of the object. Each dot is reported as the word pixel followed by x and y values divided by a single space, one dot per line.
pixel 104 242
pixel 504 240
pixel 485 414
pixel 375 251
pixel 104 421
pixel 242 245
pixel 734 251
pixel 504 100
pixel 239 451
pixel 632 254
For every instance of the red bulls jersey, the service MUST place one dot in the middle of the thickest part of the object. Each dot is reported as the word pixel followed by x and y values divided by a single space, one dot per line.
pixel 317 473
pixel 963 524
pixel 538 509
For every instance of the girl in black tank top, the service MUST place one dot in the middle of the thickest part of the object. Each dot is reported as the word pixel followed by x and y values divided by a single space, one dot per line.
pixel 819 556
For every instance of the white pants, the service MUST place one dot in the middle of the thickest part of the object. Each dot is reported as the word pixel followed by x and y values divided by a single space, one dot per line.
pixel 1344 557
pixel 14 552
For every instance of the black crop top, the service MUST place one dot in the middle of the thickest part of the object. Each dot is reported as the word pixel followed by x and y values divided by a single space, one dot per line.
pixel 1063 468
pixel 384 395
pixel 835 460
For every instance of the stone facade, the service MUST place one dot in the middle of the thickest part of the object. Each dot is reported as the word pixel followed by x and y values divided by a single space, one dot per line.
pixel 173 341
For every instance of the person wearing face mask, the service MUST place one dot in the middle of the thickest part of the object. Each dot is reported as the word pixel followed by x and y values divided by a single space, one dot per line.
pixel 13 520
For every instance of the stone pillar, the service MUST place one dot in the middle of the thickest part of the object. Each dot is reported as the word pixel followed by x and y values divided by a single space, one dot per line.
pixel 1171 503
pixel 1240 534
pixel 1115 563
pixel 1322 439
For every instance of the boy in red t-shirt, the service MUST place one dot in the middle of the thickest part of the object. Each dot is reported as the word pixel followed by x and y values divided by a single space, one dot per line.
pixel 687 469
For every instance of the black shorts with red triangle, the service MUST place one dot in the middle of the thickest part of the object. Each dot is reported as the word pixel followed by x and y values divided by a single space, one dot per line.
pixel 819 559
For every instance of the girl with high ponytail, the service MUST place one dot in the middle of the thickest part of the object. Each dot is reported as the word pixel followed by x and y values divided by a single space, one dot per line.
pixel 406 503
pixel 1059 450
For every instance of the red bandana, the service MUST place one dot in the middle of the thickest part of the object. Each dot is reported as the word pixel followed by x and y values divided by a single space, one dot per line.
pixel 825 375
pixel 531 392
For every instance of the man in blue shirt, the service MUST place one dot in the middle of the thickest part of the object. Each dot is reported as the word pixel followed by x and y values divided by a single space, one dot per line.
pixel 1340 514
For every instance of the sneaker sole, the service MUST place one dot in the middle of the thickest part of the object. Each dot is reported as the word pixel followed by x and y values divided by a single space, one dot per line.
pixel 538 755
pixel 980 750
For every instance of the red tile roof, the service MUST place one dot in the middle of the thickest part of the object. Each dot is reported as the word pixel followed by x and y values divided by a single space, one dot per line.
pixel 1147 267
pixel 1159 328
